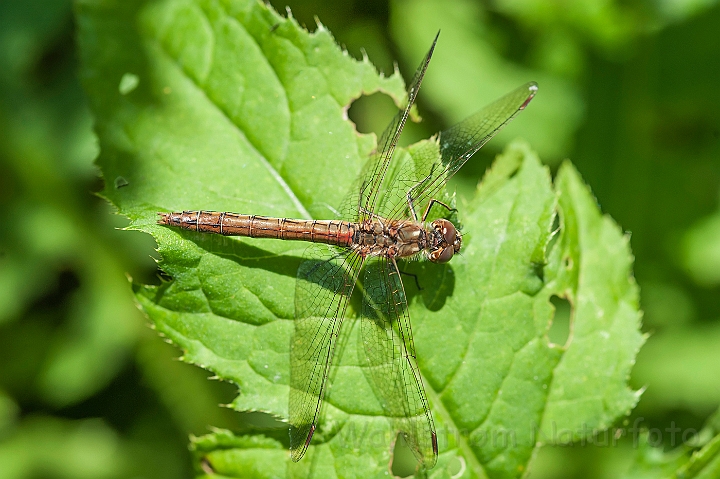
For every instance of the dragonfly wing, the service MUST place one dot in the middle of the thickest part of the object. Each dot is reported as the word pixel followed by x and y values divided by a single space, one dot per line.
pixel 324 285
pixel 388 344
pixel 424 175
pixel 374 172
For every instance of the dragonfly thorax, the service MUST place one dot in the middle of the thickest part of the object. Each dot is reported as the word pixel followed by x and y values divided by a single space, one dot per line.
pixel 404 239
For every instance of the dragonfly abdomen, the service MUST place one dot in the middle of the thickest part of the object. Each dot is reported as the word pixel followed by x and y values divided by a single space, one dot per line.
pixel 233 224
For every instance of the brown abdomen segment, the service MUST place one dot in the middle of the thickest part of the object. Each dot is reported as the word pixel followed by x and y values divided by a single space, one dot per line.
pixel 232 224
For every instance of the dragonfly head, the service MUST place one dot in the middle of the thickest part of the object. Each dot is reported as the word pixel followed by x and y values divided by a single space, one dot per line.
pixel 446 241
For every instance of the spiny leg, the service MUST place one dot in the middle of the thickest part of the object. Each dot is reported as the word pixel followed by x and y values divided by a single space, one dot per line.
pixel 432 202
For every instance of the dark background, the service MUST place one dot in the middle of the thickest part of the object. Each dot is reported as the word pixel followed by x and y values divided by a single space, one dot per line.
pixel 629 92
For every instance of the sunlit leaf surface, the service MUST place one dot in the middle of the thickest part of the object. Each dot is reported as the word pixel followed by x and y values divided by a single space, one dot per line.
pixel 229 106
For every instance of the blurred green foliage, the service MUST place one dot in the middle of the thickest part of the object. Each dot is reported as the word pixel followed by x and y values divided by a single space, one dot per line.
pixel 628 91
pixel 86 389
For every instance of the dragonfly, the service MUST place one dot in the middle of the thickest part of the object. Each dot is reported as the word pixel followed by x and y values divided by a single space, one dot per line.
pixel 383 220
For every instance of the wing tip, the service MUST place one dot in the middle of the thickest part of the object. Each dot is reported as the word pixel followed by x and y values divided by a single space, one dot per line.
pixel 297 451
pixel 432 460
pixel 532 89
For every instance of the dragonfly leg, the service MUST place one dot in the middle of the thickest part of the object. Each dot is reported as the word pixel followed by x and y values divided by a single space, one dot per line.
pixel 411 207
pixel 431 203
pixel 410 196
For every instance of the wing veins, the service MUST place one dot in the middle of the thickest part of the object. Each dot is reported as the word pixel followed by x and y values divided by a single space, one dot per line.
pixel 309 388
pixel 389 140
pixel 392 357
pixel 476 131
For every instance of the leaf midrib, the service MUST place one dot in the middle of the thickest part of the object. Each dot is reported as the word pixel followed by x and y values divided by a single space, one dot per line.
pixel 274 173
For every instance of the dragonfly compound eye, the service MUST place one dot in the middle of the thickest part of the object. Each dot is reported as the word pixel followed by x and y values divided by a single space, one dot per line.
pixel 446 230
pixel 442 255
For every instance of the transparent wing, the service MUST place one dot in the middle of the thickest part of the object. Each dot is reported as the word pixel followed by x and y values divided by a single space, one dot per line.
pixel 388 344
pixel 374 172
pixel 419 179
pixel 324 285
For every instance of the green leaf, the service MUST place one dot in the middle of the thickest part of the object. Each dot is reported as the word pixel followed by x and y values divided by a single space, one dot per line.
pixel 593 269
pixel 237 96
pixel 233 107
pixel 240 456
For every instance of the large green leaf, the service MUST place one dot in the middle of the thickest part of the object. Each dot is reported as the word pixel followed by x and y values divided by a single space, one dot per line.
pixel 225 105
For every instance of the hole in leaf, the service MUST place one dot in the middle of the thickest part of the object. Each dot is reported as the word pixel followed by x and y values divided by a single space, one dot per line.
pixel 556 223
pixel 372 113
pixel 404 462
pixel 559 331
pixel 120 182
pixel 554 235
pixel 163 275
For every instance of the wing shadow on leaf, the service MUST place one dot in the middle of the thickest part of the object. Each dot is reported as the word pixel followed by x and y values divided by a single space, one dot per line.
pixel 434 283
